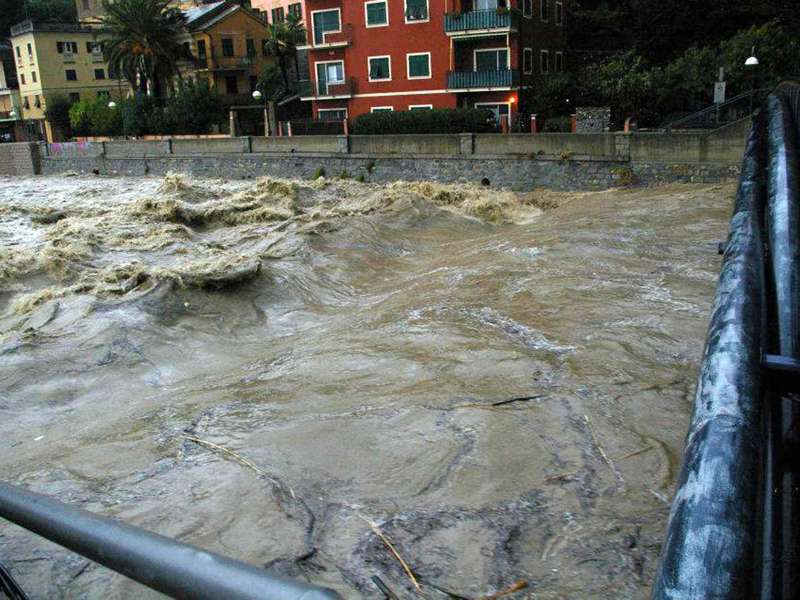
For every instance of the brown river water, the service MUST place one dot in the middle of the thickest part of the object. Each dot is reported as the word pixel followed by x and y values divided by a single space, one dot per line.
pixel 499 383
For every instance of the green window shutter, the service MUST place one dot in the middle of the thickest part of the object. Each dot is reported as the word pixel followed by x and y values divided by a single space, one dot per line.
pixel 379 68
pixel 418 66
pixel 416 10
pixel 376 14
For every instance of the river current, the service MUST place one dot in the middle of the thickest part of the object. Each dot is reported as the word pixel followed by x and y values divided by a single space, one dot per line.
pixel 275 370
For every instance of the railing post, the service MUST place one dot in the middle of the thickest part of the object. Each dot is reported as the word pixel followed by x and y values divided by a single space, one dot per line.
pixel 466 143
pixel 232 123
pixel 504 123
pixel 574 118
pixel 534 125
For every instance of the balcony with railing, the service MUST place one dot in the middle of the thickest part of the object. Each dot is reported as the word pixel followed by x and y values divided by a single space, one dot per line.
pixel 225 63
pixel 501 79
pixel 329 39
pixel 481 22
pixel 322 90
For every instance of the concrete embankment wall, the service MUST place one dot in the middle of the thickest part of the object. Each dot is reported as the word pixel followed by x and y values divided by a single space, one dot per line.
pixel 516 161
pixel 20 159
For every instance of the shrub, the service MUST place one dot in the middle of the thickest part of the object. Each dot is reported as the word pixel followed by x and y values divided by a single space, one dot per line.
pixel 94 117
pixel 320 172
pixel 192 108
pixel 79 118
pixel 558 125
pixel 57 112
pixel 450 120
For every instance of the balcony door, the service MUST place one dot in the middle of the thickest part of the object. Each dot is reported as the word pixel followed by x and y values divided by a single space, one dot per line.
pixel 329 73
pixel 488 4
pixel 494 59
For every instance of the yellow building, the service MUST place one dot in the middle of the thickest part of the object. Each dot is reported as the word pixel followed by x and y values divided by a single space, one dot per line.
pixel 227 41
pixel 59 59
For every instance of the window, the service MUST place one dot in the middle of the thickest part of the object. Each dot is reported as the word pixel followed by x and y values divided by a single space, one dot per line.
pixel 377 14
pixel 325 21
pixel 63 47
pixel 231 84
pixel 33 76
pixel 416 10
pixel 277 15
pixel 419 65
pixel 74 97
pixel 527 60
pixel 491 59
pixel 71 75
pixel 559 13
pixel 420 107
pixel 94 47
pixel 296 10
pixel 264 48
pixel 545 10
pixel 527 8
pixel 36 102
pixel 544 61
pixel 22 78
pixel 227 47
pixel 497 110
pixel 30 50
pixel 201 53
pixel 380 68
pixel 26 103
pixel 375 109
pixel 99 74
pixel 329 73
pixel 332 114
pixel 251 47
pixel 103 94
pixel 18 54
pixel 559 63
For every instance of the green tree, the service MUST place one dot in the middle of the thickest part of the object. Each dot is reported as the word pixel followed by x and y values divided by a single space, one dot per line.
pixel 192 108
pixel 14 11
pixel 281 44
pixel 143 45
pixel 57 112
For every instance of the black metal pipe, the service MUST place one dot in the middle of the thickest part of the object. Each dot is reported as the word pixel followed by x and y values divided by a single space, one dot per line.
pixel 710 547
pixel 175 569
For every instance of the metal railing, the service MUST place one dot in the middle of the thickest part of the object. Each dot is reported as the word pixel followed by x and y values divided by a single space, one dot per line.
pixel 734 527
pixel 480 20
pixel 172 568
pixel 29 26
pixel 715 116
pixel 307 88
pixel 466 80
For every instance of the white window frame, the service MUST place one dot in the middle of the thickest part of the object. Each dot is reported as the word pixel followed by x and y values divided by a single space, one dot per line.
pixel 373 109
pixel 420 107
pixel 408 66
pixel 328 62
pixel 314 25
pixel 527 9
pixel 558 65
pixel 369 68
pixel 321 110
pixel 527 52
pixel 543 54
pixel 475 56
pixel 508 104
pixel 559 22
pixel 544 16
pixel 413 21
pixel 366 14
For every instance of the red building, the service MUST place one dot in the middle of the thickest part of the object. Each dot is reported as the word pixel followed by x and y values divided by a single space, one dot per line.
pixel 371 55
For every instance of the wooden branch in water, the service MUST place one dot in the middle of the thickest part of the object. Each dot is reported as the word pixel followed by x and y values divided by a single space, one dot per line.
pixel 394 551
pixel 602 451
pixel 227 451
pixel 516 587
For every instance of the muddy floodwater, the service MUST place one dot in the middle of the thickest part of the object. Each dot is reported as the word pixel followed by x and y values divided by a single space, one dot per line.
pixel 276 369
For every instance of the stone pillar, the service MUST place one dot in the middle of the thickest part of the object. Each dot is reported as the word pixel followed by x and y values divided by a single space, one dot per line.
pixel 232 123
pixel 467 143
pixel 273 126
pixel 289 128
pixel 534 124
pixel 574 122
pixel 343 142
pixel 266 122
pixel 503 123
pixel 622 146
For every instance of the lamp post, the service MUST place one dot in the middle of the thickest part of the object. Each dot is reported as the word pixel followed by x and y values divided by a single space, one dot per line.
pixel 112 105
pixel 751 64
pixel 257 96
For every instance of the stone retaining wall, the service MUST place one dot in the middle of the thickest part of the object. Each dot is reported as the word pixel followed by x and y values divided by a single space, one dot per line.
pixel 21 158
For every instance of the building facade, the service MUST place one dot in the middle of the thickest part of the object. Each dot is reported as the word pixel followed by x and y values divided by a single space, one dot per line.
pixel 373 55
pixel 278 10
pixel 58 59
pixel 10 111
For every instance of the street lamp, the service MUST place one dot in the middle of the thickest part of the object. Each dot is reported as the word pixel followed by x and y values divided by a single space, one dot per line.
pixel 112 105
pixel 751 65
pixel 257 96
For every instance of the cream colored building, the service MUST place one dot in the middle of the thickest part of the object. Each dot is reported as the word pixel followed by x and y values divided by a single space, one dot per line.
pixel 59 59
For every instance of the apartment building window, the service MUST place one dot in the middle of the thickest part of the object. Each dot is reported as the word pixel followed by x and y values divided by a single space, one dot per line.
pixel 30 50
pixel 497 109
pixel 377 14
pixel 99 74
pixel 527 8
pixel 227 47
pixel 201 53
pixel 277 15
pixel 332 114
pixel 544 61
pixel 420 107
pixel 22 78
pixel 26 103
pixel 558 67
pixel 559 13
pixel 375 109
pixel 71 75
pixel 296 10
pixel 18 52
pixel 527 60
pixel 251 48
pixel 63 47
pixel 37 102
pixel 491 59
pixel 33 76
pixel 231 84
pixel 380 68
pixel 325 21
pixel 329 73
pixel 74 97
pixel 545 10
pixel 419 65
pixel 416 10
pixel 94 47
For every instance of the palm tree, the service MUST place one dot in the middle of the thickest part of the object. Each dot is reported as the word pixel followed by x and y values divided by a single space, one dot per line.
pixel 282 45
pixel 142 42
